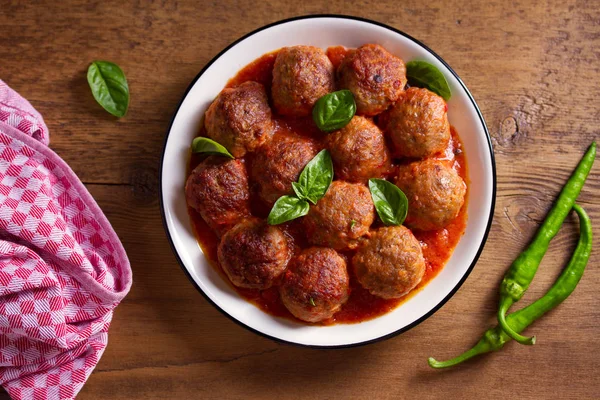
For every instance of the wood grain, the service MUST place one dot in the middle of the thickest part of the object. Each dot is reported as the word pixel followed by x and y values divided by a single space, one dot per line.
pixel 533 68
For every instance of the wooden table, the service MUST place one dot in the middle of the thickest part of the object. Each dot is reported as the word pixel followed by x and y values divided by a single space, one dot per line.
pixel 532 67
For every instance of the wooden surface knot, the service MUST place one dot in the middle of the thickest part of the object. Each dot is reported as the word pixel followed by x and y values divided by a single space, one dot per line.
pixel 536 110
pixel 145 183
pixel 509 129
pixel 521 214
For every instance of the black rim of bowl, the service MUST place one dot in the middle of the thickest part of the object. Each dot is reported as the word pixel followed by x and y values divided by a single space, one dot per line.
pixel 448 296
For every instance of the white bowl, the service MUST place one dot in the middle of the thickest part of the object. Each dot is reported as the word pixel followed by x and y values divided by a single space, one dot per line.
pixel 324 31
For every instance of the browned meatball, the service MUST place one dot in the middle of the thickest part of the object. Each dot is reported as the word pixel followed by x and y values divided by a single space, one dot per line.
pixel 418 124
pixel 341 217
pixel 374 76
pixel 301 75
pixel 240 118
pixel 435 193
pixel 218 189
pixel 358 151
pixel 254 254
pixel 279 163
pixel 315 285
pixel 390 263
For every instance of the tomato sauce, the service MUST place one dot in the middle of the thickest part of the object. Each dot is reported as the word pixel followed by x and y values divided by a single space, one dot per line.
pixel 259 70
pixel 336 54
pixel 437 245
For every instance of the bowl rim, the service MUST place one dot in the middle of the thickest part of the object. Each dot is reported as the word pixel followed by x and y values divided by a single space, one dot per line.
pixel 398 331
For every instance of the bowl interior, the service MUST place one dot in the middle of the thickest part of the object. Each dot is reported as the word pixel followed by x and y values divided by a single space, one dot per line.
pixel 324 32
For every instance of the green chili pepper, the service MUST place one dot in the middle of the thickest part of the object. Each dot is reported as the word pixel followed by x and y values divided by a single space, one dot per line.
pixel 523 269
pixel 495 338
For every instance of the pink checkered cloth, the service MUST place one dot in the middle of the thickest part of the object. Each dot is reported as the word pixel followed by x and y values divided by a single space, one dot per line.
pixel 63 269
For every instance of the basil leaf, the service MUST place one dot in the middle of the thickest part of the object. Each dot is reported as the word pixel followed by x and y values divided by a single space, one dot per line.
pixel 209 146
pixel 299 190
pixel 425 75
pixel 312 185
pixel 334 110
pixel 315 178
pixel 287 208
pixel 109 87
pixel 390 202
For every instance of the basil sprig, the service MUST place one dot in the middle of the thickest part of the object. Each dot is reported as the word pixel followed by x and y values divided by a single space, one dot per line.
pixel 334 110
pixel 390 202
pixel 209 146
pixel 287 208
pixel 312 185
pixel 315 178
pixel 109 87
pixel 425 75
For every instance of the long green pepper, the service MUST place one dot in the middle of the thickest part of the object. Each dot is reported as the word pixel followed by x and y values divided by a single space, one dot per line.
pixel 495 338
pixel 520 274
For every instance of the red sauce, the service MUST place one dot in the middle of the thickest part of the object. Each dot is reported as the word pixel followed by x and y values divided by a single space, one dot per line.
pixel 259 70
pixel 336 54
pixel 437 245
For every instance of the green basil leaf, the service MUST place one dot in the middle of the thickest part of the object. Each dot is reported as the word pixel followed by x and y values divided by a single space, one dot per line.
pixel 334 110
pixel 109 87
pixel 209 146
pixel 425 75
pixel 390 202
pixel 299 190
pixel 315 178
pixel 287 208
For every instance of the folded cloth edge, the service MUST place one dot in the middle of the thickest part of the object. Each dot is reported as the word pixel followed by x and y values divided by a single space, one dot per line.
pixel 85 279
pixel 11 100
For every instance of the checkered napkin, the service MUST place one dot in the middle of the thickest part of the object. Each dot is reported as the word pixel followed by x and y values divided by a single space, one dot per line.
pixel 62 267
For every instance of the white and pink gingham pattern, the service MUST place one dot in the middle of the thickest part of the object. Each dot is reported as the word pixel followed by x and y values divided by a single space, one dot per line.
pixel 18 113
pixel 62 268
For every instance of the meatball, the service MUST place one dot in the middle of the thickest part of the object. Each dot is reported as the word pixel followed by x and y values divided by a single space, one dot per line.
pixel 435 193
pixel 418 124
pixel 218 190
pixel 358 151
pixel 390 263
pixel 254 254
pixel 315 285
pixel 279 163
pixel 301 75
pixel 240 118
pixel 374 76
pixel 341 217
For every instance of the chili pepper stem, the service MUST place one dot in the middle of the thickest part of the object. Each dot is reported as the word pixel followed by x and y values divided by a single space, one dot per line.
pixel 504 306
pixel 433 363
